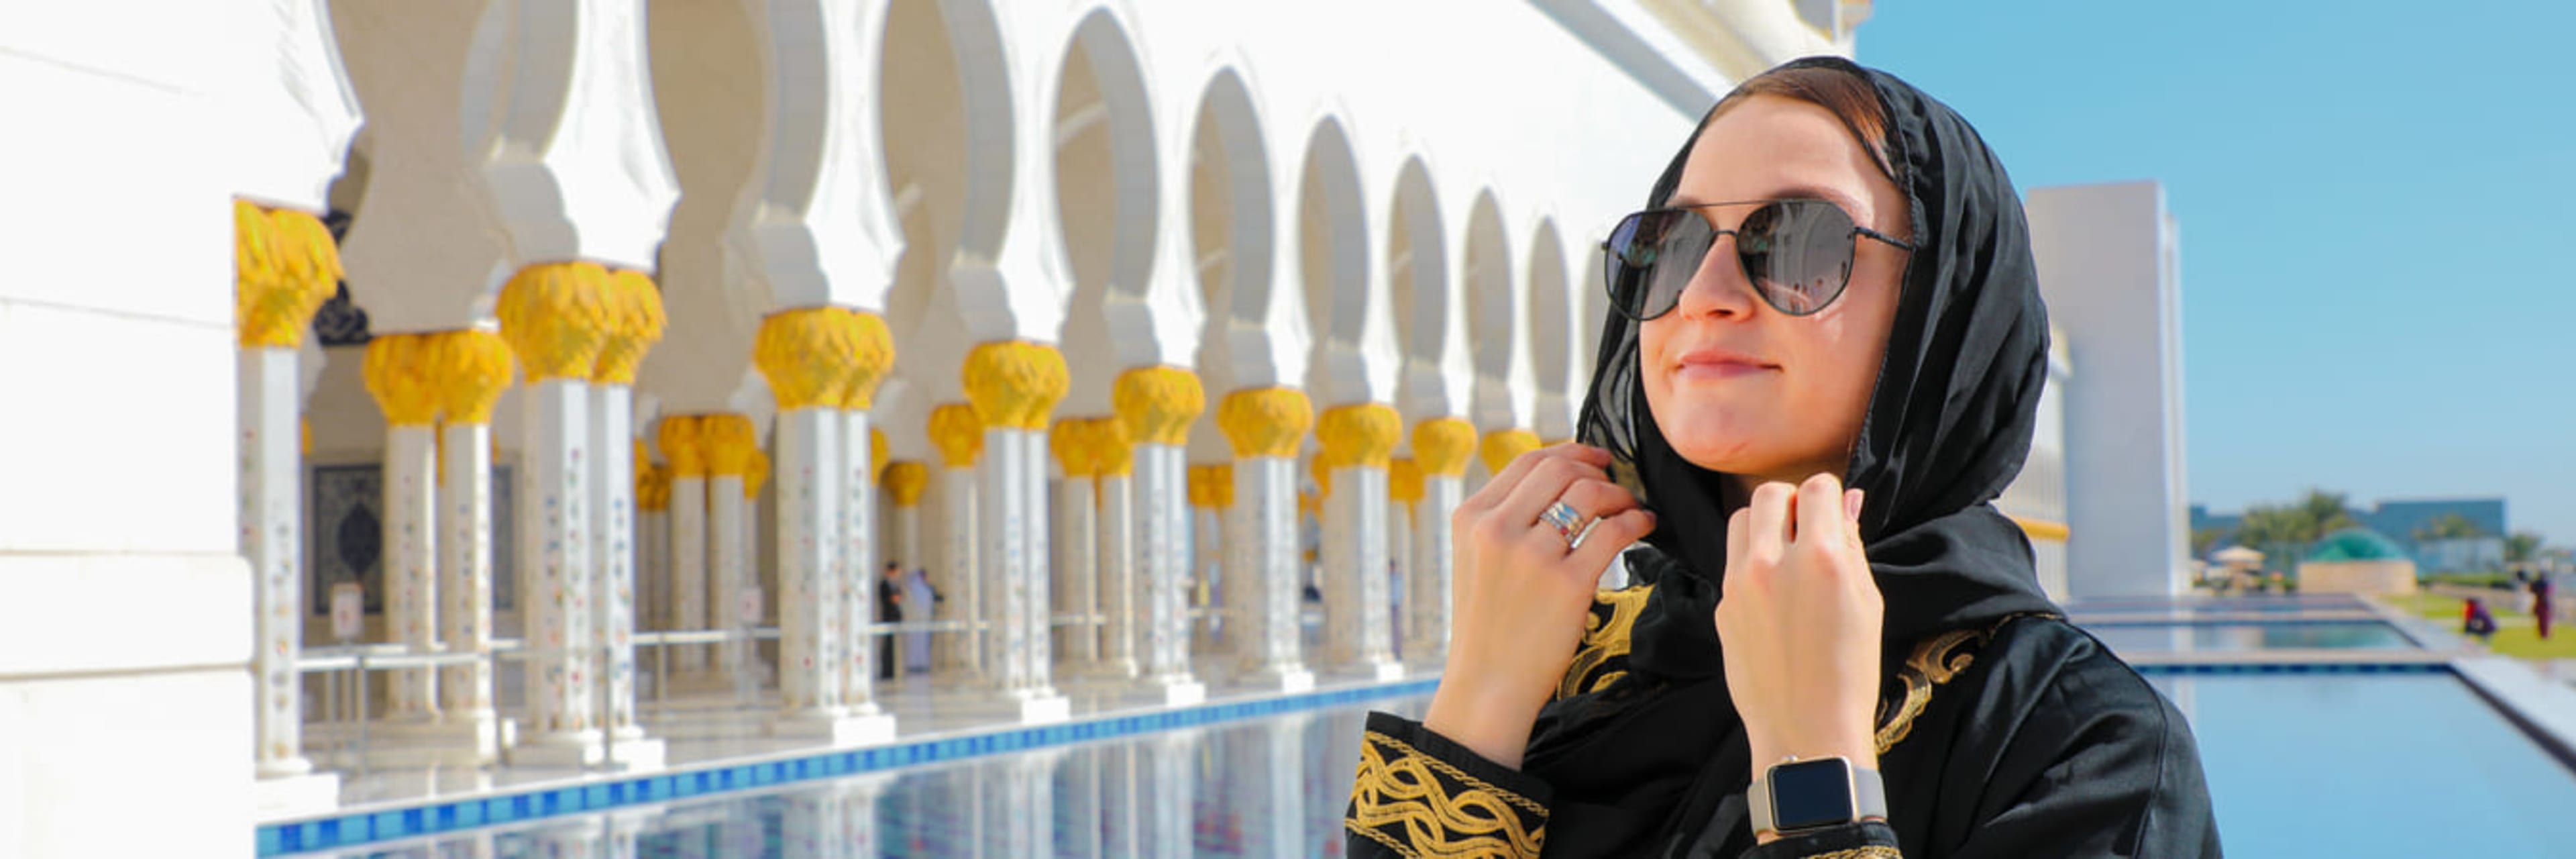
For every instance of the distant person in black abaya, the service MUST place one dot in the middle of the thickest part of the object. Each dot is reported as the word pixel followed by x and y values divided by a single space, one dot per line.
pixel 889 610
pixel 1822 364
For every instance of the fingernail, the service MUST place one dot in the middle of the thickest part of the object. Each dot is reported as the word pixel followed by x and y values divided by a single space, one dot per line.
pixel 1851 505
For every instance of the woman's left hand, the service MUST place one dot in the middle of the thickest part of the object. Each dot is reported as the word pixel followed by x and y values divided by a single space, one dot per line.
pixel 1800 623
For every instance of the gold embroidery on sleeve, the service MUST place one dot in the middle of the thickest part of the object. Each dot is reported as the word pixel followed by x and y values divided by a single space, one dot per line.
pixel 1419 805
pixel 1936 661
pixel 1870 852
pixel 1597 660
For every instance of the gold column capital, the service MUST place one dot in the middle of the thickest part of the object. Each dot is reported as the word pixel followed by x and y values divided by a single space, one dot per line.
pixel 755 473
pixel 1113 452
pixel 1265 421
pixel 871 357
pixel 630 321
pixel 1502 446
pixel 1157 404
pixel 727 438
pixel 1015 384
pixel 550 314
pixel 470 369
pixel 680 444
pixel 1220 484
pixel 878 451
pixel 957 433
pixel 1404 481
pixel 1072 443
pixel 906 480
pixel 805 354
pixel 1363 434
pixel 1442 445
pixel 400 377
pixel 652 488
pixel 284 266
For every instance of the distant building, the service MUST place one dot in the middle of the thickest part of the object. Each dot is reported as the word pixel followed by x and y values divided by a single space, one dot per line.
pixel 2406 524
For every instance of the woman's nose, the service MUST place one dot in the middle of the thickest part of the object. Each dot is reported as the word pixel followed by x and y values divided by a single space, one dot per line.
pixel 1717 287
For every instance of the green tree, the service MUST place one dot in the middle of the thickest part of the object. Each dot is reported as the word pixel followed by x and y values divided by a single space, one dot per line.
pixel 2521 547
pixel 2205 541
pixel 2325 513
pixel 2448 526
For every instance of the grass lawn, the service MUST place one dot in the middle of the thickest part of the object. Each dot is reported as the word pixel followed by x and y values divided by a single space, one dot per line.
pixel 2516 634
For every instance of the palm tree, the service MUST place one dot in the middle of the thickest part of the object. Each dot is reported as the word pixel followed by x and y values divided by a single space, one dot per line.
pixel 2326 512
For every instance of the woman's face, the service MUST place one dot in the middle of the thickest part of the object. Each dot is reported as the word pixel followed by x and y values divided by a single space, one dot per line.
pixel 1735 385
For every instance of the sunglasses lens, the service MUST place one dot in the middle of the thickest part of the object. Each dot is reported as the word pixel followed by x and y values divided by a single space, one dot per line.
pixel 1652 257
pixel 1797 253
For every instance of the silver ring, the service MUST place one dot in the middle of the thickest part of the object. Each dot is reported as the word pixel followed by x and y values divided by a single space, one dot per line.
pixel 1564 518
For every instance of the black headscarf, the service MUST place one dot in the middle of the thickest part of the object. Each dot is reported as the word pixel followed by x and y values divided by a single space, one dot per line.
pixel 1948 425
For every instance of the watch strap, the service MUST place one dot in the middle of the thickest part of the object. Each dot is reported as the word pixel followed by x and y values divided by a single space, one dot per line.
pixel 1869 798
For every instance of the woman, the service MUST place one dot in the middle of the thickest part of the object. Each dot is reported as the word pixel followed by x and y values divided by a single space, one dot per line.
pixel 1824 363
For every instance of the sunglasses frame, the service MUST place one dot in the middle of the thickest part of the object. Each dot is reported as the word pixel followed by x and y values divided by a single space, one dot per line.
pixel 1610 255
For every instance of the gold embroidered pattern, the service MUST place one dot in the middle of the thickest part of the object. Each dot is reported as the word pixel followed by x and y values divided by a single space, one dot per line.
pixel 1934 662
pixel 1870 852
pixel 1600 660
pixel 1419 805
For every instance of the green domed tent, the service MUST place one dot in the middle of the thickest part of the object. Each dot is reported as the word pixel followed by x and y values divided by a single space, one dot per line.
pixel 2356 544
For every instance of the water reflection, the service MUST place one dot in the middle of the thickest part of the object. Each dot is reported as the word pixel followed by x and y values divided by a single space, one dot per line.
pixel 1268 788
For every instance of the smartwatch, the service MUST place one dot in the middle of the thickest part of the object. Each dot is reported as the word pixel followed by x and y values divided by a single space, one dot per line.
pixel 1798 796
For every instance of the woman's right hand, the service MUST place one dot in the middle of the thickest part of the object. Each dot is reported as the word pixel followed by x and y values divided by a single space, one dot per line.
pixel 1519 593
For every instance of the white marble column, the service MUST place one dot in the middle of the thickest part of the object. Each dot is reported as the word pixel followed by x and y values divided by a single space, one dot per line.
pixel 1162 520
pixel 858 579
pixel 727 569
pixel 612 641
pixel 1013 501
pixel 1399 555
pixel 956 570
pixel 1427 629
pixel 653 549
pixel 1266 426
pixel 811 570
pixel 1357 616
pixel 1441 447
pixel 1266 496
pixel 730 444
pixel 1156 406
pixel 400 373
pixel 1014 386
pixel 1077 545
pixel 271 540
pixel 465 548
pixel 1207 548
pixel 554 575
pixel 688 566
pixel 959 572
pixel 1121 588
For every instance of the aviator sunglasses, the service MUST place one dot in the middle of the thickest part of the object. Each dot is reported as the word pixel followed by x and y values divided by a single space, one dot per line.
pixel 1796 253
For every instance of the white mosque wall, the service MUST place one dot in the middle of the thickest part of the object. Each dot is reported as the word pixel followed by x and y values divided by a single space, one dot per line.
pixel 2108 269
pixel 126 633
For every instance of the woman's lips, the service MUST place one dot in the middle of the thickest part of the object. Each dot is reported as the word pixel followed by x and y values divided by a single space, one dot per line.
pixel 1718 364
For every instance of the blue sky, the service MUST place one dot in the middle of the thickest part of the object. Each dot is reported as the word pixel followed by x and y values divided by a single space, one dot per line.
pixel 2378 210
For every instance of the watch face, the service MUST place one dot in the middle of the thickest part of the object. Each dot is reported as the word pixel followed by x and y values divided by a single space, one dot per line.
pixel 1808 794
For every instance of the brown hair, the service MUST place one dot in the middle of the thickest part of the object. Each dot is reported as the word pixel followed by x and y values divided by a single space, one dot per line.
pixel 1845 95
